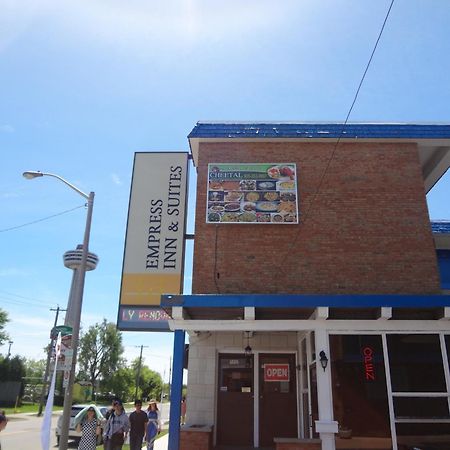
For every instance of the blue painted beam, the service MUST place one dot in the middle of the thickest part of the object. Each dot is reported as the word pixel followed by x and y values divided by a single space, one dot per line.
pixel 304 301
pixel 176 390
pixel 444 267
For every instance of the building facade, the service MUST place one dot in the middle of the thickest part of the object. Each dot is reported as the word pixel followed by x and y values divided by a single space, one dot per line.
pixel 320 307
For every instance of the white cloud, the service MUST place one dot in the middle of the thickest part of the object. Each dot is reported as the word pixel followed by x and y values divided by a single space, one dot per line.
pixel 12 272
pixel 145 25
pixel 177 20
pixel 16 17
pixel 29 333
pixel 7 128
pixel 116 180
pixel 33 322
pixel 7 195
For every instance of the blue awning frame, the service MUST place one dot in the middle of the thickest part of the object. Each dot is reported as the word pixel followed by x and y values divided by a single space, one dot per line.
pixel 273 301
pixel 305 301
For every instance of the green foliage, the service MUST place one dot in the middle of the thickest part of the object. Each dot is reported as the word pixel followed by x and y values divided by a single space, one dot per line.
pixel 34 368
pixel 33 380
pixel 99 352
pixel 12 369
pixel 150 382
pixel 3 321
pixel 121 383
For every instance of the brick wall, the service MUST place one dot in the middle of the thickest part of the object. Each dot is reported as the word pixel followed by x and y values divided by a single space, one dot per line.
pixel 195 439
pixel 367 230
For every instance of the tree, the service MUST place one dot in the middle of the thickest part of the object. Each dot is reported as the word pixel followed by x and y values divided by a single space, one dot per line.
pixel 12 369
pixel 33 380
pixel 100 351
pixel 150 382
pixel 35 368
pixel 121 383
pixel 3 321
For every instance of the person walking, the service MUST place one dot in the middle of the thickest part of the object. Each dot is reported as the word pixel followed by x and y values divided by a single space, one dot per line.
pixel 138 424
pixel 90 429
pixel 116 428
pixel 153 425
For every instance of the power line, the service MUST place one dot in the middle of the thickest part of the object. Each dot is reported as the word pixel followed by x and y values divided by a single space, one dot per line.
pixel 23 303
pixel 319 186
pixel 21 296
pixel 41 220
pixel 22 300
pixel 350 110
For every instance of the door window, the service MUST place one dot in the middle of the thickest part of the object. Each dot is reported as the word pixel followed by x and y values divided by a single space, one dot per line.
pixel 235 400
pixel 277 397
pixel 360 399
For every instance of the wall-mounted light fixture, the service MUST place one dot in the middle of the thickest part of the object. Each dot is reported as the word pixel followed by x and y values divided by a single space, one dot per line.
pixel 323 360
pixel 248 349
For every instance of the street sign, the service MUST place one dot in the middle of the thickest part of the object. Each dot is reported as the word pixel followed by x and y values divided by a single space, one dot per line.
pixel 66 378
pixel 63 329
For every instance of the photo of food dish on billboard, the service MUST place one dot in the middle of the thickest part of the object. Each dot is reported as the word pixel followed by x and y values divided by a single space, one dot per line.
pixel 252 193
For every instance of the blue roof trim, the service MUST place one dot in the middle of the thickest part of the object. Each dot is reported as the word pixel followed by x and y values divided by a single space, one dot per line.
pixel 305 301
pixel 438 226
pixel 320 130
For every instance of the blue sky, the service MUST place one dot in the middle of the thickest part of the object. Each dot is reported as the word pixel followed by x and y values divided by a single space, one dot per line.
pixel 83 85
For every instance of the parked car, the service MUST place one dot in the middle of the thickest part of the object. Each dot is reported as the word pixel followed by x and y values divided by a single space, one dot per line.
pixel 74 434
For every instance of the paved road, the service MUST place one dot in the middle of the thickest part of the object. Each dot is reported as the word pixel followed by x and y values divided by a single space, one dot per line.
pixel 23 432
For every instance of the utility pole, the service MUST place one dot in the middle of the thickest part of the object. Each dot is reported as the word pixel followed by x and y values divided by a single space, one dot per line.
pixel 162 386
pixel 139 370
pixel 47 367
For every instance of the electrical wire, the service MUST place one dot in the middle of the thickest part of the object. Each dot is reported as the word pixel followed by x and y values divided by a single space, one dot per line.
pixel 41 220
pixel 23 301
pixel 22 296
pixel 216 274
pixel 319 186
pixel 14 302
pixel 349 112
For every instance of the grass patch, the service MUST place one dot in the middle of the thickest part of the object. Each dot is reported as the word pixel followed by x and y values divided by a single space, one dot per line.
pixel 26 408
pixel 163 433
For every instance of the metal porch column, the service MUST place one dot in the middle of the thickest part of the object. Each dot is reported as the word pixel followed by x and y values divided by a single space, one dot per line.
pixel 176 390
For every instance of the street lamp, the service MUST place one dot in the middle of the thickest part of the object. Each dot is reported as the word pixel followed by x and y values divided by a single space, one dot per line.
pixel 9 348
pixel 77 302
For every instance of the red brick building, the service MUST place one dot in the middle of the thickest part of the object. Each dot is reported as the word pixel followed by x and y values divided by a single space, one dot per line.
pixel 319 309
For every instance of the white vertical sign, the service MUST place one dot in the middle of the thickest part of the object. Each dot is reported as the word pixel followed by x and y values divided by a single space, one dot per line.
pixel 153 257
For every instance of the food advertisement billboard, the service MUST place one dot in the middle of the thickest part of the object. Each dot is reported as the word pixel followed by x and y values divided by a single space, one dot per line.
pixel 252 193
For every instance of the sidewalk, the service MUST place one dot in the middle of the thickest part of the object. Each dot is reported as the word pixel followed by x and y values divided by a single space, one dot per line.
pixel 160 444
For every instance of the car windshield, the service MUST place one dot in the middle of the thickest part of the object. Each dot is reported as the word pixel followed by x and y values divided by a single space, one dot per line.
pixel 75 410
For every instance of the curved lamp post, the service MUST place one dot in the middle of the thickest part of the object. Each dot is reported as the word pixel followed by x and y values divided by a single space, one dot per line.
pixel 78 301
pixel 9 348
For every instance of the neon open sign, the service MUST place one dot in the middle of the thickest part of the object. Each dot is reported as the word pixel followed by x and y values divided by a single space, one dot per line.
pixel 369 369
